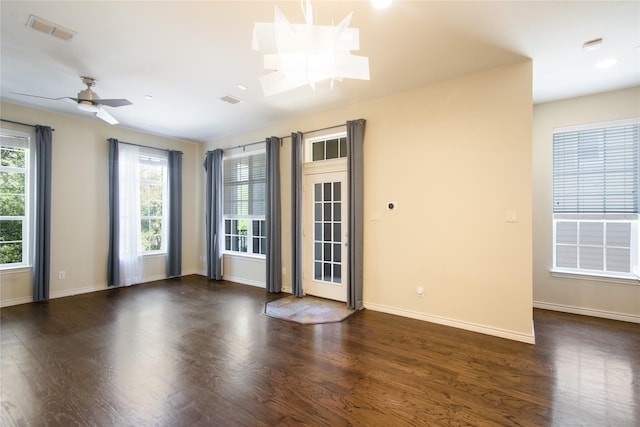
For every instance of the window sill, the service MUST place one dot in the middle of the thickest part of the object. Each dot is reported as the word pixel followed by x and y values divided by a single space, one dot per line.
pixel 593 277
pixel 16 270
pixel 238 255
pixel 153 254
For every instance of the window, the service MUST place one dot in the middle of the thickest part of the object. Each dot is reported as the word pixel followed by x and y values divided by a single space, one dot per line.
pixel 245 190
pixel 15 168
pixel 326 147
pixel 152 172
pixel 595 199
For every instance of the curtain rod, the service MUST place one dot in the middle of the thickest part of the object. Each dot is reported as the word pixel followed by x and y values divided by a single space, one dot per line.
pixel 21 124
pixel 327 128
pixel 145 146
pixel 243 146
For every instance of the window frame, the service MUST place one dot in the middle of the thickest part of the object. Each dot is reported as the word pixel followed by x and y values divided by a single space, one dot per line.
pixel 29 195
pixel 601 249
pixel 150 157
pixel 309 147
pixel 228 218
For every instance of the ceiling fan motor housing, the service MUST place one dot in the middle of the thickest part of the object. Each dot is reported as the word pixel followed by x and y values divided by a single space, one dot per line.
pixel 88 95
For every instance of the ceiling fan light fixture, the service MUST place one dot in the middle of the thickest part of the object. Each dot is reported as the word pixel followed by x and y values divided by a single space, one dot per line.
pixel 87 106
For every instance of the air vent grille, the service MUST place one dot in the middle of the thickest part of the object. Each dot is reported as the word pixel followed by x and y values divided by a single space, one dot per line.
pixel 50 28
pixel 231 99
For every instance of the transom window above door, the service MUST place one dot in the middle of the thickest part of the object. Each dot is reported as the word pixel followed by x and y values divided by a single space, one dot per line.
pixel 326 147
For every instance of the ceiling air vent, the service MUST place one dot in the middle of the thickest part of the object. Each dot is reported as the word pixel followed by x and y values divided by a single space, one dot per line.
pixel 50 28
pixel 231 99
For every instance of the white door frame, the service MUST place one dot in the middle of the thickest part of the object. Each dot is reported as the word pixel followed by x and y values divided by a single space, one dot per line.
pixel 310 172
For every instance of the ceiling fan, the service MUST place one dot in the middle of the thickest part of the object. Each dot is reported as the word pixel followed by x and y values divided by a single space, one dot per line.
pixel 88 100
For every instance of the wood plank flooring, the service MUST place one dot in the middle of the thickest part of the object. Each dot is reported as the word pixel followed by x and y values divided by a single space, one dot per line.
pixel 188 352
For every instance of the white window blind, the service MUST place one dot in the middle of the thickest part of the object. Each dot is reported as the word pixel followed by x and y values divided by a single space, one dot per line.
pixel 596 170
pixel 245 185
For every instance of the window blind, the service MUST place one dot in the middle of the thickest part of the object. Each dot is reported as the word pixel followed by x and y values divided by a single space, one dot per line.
pixel 245 185
pixel 596 170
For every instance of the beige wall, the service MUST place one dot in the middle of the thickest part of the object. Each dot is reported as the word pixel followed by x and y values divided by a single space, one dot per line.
pixel 613 299
pixel 79 204
pixel 456 157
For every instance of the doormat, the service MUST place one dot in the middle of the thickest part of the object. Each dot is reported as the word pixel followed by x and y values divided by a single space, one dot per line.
pixel 308 310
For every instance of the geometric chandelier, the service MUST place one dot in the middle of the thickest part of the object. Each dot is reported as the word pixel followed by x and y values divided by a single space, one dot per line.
pixel 301 54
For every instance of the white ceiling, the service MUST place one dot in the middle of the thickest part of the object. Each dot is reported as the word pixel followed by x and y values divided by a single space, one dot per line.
pixel 189 54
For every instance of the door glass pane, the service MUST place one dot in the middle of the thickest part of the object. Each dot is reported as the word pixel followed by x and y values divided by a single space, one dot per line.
pixel 327 251
pixel 337 252
pixel 327 211
pixel 337 210
pixel 327 272
pixel 327 234
pixel 337 273
pixel 327 192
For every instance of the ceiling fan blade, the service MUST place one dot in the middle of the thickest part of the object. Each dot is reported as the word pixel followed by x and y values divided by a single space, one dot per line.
pixel 103 115
pixel 43 97
pixel 113 102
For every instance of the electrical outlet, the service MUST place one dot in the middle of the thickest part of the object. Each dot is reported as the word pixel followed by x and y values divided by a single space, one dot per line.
pixel 511 216
pixel 62 275
pixel 420 291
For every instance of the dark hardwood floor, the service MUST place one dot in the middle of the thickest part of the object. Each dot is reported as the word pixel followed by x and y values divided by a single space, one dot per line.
pixel 189 352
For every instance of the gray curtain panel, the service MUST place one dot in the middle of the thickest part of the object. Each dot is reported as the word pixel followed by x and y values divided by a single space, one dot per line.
pixel 42 231
pixel 213 214
pixel 355 177
pixel 113 258
pixel 296 214
pixel 273 217
pixel 174 246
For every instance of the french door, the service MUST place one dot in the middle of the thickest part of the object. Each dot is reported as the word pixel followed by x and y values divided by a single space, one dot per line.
pixel 325 234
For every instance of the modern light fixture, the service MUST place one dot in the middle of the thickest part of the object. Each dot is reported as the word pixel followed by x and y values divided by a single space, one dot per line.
pixel 241 87
pixel 301 54
pixel 606 63
pixel 381 4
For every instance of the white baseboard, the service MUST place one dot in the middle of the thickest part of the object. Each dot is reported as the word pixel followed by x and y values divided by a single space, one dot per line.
pixel 624 317
pixel 15 301
pixel 190 272
pixel 84 290
pixel 77 291
pixel 473 327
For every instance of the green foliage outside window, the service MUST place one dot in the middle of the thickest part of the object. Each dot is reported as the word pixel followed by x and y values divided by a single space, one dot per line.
pixel 151 198
pixel 12 203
